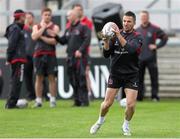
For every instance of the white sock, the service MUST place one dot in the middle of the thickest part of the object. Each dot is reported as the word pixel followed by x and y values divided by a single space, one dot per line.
pixel 126 122
pixel 52 99
pixel 39 100
pixel 101 120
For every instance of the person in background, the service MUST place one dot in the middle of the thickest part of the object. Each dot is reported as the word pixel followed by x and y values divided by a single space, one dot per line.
pixel 148 56
pixel 87 22
pixel 77 37
pixel 16 56
pixel 45 61
pixel 30 44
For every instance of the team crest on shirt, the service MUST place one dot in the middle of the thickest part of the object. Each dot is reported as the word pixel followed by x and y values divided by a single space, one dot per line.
pixel 116 43
pixel 135 84
pixel 110 81
pixel 149 34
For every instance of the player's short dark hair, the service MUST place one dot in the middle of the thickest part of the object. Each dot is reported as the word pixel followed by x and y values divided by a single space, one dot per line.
pixel 46 9
pixel 77 5
pixel 130 13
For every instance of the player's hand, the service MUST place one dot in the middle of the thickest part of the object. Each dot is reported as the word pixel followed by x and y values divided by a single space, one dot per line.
pixel 43 25
pixel 152 47
pixel 116 30
pixel 78 54
pixel 101 35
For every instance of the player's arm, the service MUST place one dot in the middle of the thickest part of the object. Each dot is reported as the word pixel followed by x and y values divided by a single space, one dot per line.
pixel 13 39
pixel 119 36
pixel 106 48
pixel 37 33
pixel 132 46
pixel 63 39
pixel 163 38
pixel 106 44
pixel 52 40
pixel 87 39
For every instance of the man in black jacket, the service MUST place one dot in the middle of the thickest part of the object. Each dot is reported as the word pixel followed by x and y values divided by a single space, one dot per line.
pixel 148 56
pixel 16 56
pixel 77 37
pixel 123 51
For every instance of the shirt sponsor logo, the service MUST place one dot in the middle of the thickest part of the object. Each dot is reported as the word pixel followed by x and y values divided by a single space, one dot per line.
pixel 110 81
pixel 120 53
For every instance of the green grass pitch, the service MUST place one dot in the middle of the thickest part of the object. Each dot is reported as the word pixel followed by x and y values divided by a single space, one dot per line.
pixel 151 120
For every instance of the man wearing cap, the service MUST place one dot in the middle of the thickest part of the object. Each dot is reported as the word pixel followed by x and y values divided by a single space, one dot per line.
pixel 16 56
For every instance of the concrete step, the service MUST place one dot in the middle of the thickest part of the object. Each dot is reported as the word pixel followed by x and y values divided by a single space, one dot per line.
pixel 166 77
pixel 165 83
pixel 167 61
pixel 165 89
pixel 169 49
pixel 168 71
pixel 165 94
pixel 169 65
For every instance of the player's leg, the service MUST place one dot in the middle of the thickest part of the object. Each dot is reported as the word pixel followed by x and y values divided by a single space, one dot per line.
pixel 38 90
pixel 52 73
pixel 52 89
pixel 105 105
pixel 88 82
pixel 39 71
pixel 131 96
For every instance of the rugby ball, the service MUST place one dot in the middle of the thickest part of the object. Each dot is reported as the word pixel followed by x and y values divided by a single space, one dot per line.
pixel 107 30
pixel 123 102
pixel 22 103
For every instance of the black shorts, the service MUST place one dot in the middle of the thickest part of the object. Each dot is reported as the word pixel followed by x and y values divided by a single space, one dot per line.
pixel 45 65
pixel 126 81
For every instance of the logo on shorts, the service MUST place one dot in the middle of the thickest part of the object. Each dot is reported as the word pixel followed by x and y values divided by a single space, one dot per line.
pixel 110 81
pixel 135 85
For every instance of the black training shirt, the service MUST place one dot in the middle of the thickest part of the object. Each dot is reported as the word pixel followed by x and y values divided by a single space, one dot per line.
pixel 124 60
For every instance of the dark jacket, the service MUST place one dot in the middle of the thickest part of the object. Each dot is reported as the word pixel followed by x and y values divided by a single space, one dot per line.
pixel 29 43
pixel 77 37
pixel 124 60
pixel 16 43
pixel 150 34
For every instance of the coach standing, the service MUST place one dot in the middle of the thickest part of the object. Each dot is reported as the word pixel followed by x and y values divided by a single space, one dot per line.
pixel 77 37
pixel 148 56
pixel 16 56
